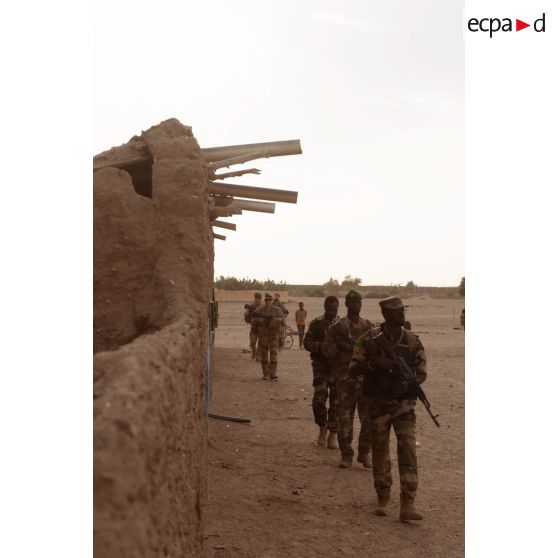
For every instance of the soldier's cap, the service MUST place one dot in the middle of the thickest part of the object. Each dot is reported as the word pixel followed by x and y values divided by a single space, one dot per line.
pixel 277 295
pixel 268 297
pixel 392 303
pixel 353 294
pixel 257 295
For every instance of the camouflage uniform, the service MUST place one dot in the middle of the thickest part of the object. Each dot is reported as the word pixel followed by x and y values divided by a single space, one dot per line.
pixel 253 335
pixel 385 410
pixel 323 382
pixel 284 312
pixel 348 388
pixel 268 322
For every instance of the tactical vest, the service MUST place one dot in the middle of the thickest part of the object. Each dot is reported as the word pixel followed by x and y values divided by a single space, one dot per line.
pixel 377 384
pixel 249 311
pixel 407 350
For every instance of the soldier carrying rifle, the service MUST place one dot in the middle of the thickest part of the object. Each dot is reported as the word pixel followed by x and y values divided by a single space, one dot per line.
pixel 390 390
pixel 284 312
pixel 253 335
pixel 268 321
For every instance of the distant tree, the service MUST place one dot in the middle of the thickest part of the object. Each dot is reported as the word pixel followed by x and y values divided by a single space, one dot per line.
pixel 332 286
pixel 411 287
pixel 461 287
pixel 234 284
pixel 351 281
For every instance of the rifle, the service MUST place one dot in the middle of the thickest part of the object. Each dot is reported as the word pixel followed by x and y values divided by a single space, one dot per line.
pixel 348 339
pixel 407 373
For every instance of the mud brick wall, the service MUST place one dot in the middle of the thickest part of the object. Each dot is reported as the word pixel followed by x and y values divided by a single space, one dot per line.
pixel 153 270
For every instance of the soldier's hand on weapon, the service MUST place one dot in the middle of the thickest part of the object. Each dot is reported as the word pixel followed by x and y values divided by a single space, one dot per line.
pixel 383 363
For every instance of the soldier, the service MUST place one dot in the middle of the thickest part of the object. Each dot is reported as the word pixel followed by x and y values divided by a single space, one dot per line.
pixel 268 320
pixel 300 318
pixel 253 335
pixel 324 384
pixel 389 403
pixel 338 346
pixel 285 312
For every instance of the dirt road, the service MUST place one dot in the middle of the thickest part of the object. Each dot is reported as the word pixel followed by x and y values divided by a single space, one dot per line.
pixel 274 493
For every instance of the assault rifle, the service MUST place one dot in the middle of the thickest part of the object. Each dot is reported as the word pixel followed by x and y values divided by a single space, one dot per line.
pixel 406 373
pixel 344 334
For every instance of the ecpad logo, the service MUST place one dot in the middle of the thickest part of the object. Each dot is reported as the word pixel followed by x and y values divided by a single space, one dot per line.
pixel 493 25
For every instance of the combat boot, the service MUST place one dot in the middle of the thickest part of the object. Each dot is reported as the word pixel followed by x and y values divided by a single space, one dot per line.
pixel 332 441
pixel 383 501
pixel 346 461
pixel 365 459
pixel 322 436
pixel 408 512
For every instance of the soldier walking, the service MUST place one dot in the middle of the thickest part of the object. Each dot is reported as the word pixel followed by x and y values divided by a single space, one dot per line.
pixel 300 318
pixel 323 382
pixel 253 335
pixel 338 346
pixel 277 302
pixel 268 320
pixel 390 403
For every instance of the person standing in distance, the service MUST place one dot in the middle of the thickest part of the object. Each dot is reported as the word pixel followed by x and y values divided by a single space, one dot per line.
pixel 300 318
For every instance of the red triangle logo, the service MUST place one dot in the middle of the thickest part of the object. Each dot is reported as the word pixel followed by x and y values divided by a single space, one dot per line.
pixel 519 25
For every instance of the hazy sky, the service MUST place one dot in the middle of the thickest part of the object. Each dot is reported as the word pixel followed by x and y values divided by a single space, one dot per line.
pixel 373 89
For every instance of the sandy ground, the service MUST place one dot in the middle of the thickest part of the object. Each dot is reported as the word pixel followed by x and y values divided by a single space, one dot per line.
pixel 273 492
